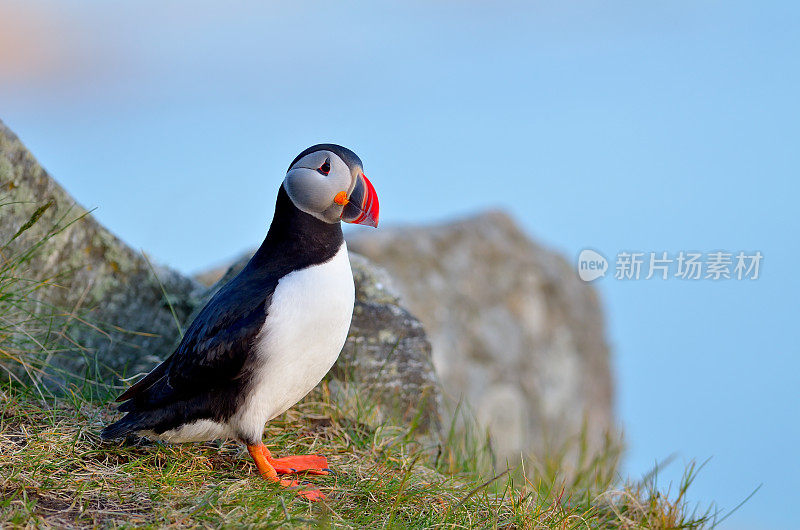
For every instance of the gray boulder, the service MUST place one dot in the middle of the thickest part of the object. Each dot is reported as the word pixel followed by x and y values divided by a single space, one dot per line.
pixel 515 333
pixel 95 276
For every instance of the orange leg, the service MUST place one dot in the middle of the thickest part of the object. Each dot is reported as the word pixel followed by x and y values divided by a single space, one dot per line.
pixel 259 452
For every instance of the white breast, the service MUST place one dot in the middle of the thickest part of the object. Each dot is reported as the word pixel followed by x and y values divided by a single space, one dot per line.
pixel 303 334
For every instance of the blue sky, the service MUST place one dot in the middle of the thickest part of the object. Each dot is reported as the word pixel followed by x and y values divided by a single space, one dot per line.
pixel 612 125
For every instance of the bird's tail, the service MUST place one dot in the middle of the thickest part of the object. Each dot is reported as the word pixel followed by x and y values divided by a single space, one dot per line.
pixel 120 429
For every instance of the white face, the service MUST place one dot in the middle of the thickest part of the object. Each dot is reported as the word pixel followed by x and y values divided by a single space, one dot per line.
pixel 314 181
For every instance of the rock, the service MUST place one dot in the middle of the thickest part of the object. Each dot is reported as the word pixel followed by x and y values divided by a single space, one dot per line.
pixel 514 331
pixel 385 369
pixel 99 278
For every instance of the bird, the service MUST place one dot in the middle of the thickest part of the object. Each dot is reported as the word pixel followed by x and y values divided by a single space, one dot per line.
pixel 269 335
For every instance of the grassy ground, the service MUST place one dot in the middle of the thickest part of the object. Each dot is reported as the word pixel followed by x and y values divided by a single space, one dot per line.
pixel 55 471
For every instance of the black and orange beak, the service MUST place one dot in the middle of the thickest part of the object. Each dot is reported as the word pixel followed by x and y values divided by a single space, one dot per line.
pixel 362 206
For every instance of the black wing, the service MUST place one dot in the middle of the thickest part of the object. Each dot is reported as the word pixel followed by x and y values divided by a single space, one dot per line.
pixel 214 350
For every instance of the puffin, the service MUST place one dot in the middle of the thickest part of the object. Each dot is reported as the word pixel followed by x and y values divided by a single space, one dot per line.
pixel 269 335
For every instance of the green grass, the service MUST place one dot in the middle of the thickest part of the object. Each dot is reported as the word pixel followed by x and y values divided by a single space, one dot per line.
pixel 55 471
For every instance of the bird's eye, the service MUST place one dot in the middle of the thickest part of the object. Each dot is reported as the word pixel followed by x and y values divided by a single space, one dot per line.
pixel 325 168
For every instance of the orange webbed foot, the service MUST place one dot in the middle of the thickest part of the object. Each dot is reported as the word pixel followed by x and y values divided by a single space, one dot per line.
pixel 311 464
pixel 270 467
pixel 310 494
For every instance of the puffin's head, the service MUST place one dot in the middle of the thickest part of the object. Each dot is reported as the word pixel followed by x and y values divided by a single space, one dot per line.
pixel 328 182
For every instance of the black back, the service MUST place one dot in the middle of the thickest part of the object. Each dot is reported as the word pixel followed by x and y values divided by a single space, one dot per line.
pixel 208 375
